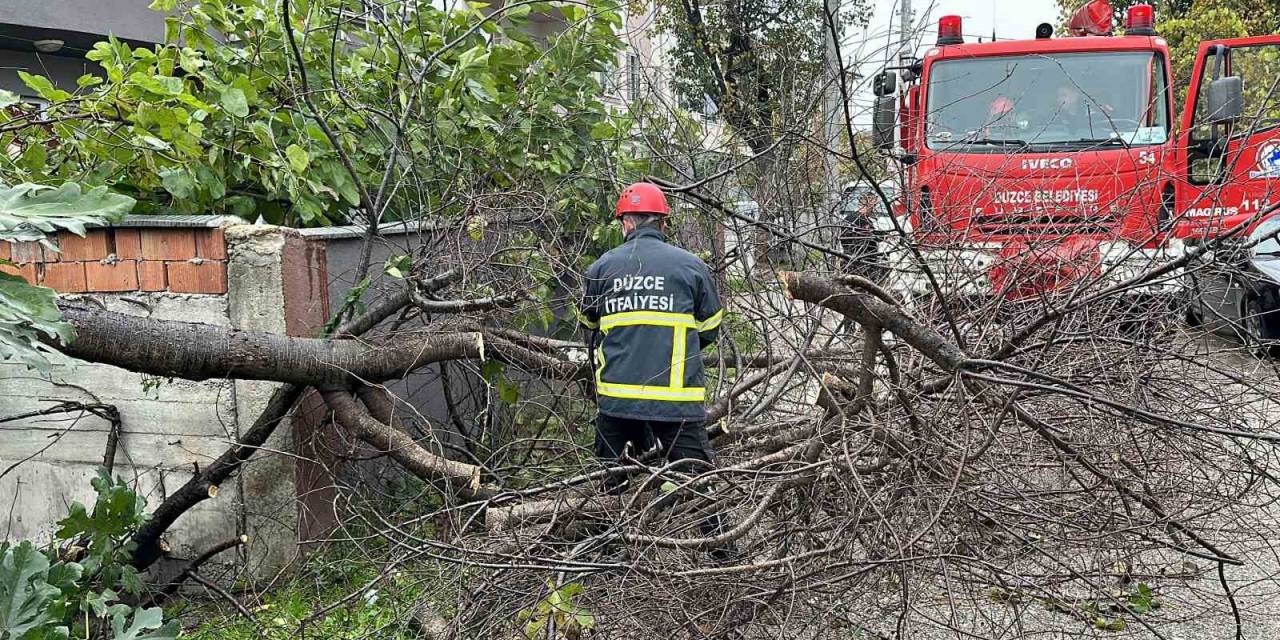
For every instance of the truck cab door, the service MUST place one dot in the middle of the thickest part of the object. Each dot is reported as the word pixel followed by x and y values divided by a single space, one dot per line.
pixel 1230 169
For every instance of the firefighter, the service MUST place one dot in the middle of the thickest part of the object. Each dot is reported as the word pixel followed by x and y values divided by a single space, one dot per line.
pixel 652 308
pixel 1003 118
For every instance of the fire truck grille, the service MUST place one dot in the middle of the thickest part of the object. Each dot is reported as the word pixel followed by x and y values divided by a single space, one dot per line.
pixel 1043 224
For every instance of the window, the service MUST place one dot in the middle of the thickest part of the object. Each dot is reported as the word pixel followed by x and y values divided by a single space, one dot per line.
pixel 633 76
pixel 1259 69
pixel 1066 101
pixel 609 79
pixel 1271 245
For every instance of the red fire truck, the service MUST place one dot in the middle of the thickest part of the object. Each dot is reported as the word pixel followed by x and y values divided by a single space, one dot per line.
pixel 1032 165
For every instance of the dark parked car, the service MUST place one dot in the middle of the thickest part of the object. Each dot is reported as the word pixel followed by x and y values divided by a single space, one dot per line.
pixel 1237 293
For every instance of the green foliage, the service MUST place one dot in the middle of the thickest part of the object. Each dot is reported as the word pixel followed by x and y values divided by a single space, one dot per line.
pixel 106 532
pixel 29 314
pixel 757 61
pixel 352 305
pixel 221 119
pixel 29 212
pixel 42 596
pixel 397 266
pixel 1185 33
pixel 25 592
pixel 1185 23
pixel 379 611
pixel 558 609
pixel 494 373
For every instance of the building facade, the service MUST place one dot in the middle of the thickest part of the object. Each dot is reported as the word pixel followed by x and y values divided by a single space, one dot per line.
pixel 51 37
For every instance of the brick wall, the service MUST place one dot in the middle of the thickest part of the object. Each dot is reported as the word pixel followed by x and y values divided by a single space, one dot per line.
pixel 125 259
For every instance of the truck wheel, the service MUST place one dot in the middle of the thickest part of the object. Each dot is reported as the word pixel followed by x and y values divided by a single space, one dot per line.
pixel 1259 343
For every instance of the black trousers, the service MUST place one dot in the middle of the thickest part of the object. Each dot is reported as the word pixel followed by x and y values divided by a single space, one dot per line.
pixel 678 440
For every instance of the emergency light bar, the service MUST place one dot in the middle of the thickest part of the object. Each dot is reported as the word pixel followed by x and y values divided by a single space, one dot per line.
pixel 950 30
pixel 1093 19
pixel 1140 21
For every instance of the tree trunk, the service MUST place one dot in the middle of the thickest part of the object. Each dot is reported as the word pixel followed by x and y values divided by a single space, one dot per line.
pixel 200 352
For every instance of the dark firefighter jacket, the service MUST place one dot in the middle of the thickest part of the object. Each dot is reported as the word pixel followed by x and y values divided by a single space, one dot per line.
pixel 654 308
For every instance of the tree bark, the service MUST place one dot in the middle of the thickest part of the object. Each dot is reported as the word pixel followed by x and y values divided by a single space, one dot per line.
pixel 464 478
pixel 867 309
pixel 200 352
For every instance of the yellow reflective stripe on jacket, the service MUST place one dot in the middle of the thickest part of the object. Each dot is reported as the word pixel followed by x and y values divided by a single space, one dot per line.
pixel 647 318
pixel 712 322
pixel 678 342
pixel 649 392
pixel 674 391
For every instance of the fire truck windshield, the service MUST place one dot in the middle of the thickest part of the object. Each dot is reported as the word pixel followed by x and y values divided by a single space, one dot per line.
pixel 1044 102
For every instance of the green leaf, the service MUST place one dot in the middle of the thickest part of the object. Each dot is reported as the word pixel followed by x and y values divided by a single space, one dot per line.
pixel 24 592
pixel 298 158
pixel 160 85
pixel 163 5
pixel 603 130
pixel 88 80
pixel 156 143
pixel 235 103
pixel 397 266
pixel 210 183
pixel 177 182
pixel 241 206
pixel 475 227
pixel 519 11
pixel 28 212
pixel 492 370
pixel 147 625
pixel 33 158
pixel 8 98
pixel 43 87
pixel 508 391
pixel 28 315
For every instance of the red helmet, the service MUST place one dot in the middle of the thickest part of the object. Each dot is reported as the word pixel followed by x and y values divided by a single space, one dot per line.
pixel 1000 106
pixel 642 197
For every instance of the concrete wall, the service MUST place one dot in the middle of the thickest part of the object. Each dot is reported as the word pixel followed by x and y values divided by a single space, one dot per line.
pixel 210 271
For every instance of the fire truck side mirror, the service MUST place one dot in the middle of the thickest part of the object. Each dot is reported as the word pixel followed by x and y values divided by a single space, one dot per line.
pixel 885 83
pixel 882 122
pixel 1226 99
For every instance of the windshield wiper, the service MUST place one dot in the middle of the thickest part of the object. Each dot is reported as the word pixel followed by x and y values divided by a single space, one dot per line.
pixel 1004 142
pixel 1100 141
